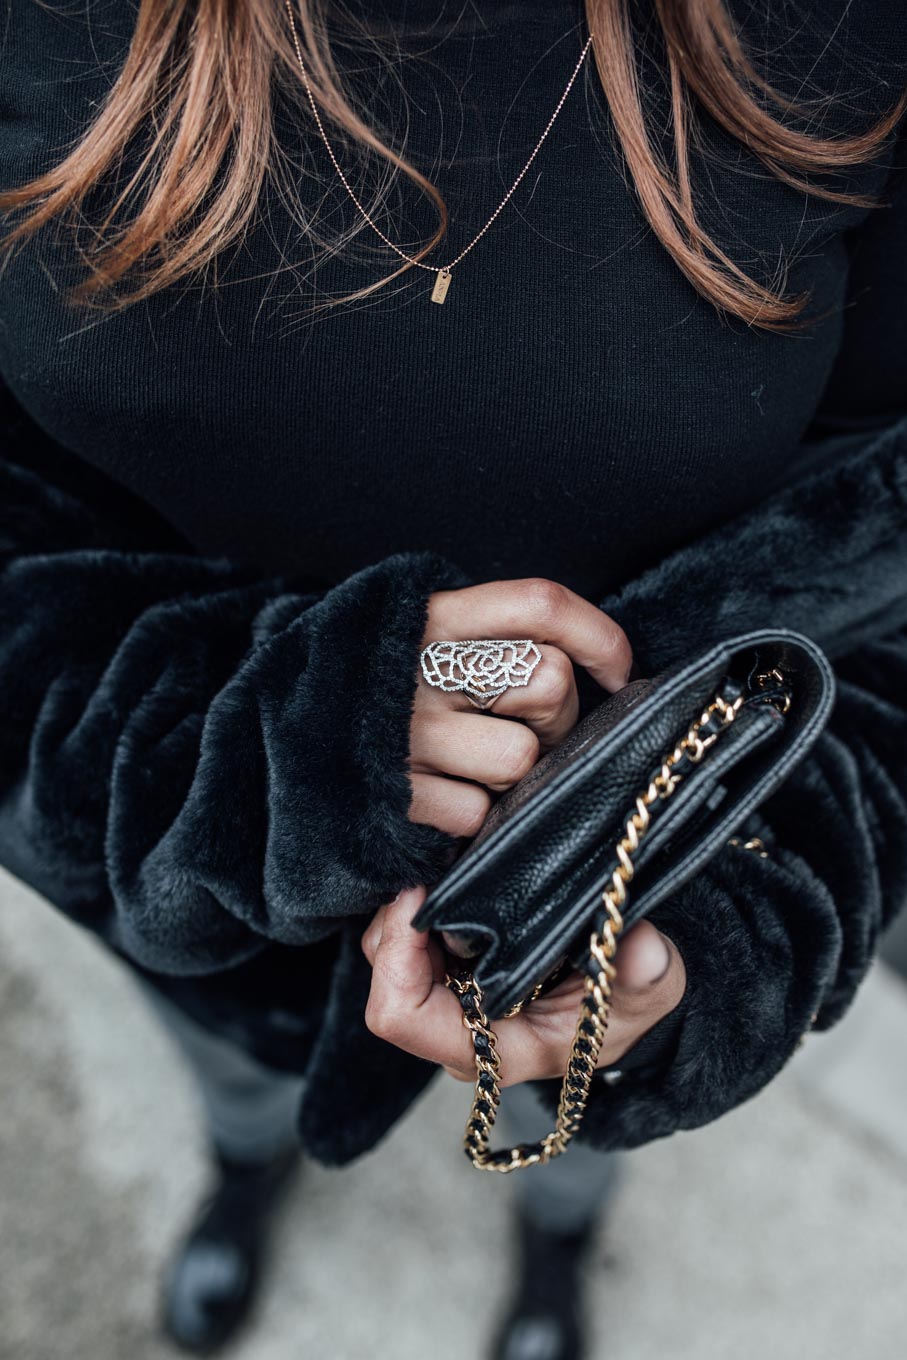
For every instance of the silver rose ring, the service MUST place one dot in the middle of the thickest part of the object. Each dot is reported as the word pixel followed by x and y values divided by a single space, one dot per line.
pixel 482 669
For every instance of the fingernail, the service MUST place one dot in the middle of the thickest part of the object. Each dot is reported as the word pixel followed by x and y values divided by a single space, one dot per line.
pixel 658 957
pixel 652 961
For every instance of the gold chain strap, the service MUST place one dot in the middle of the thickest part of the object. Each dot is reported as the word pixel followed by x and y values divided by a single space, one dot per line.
pixel 595 1007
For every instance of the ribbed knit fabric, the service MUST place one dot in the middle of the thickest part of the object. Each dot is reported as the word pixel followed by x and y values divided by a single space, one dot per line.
pixel 574 410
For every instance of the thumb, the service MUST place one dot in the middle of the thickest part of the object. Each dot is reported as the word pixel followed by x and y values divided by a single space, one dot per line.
pixel 643 957
pixel 651 978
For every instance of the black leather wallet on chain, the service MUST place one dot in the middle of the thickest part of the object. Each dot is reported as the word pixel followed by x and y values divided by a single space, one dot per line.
pixel 644 791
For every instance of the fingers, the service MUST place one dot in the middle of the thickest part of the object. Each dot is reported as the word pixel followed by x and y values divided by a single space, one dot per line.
pixel 492 751
pixel 650 983
pixel 651 980
pixel 549 704
pixel 539 609
pixel 471 746
pixel 411 1007
pixel 451 805
pixel 643 960
pixel 449 736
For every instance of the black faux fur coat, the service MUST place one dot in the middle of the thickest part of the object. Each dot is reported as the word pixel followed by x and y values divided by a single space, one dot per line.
pixel 210 771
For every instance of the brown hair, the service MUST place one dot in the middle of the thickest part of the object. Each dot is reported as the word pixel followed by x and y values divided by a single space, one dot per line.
pixel 197 93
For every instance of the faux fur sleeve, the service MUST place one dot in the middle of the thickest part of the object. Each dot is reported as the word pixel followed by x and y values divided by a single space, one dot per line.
pixel 768 943
pixel 774 945
pixel 193 760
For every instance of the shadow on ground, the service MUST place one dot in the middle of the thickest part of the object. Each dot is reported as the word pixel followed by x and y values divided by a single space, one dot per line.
pixel 780 1231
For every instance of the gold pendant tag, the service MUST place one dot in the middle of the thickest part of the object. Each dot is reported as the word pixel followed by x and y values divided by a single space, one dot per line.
pixel 442 283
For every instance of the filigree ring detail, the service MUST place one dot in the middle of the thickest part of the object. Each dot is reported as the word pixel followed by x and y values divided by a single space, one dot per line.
pixel 482 669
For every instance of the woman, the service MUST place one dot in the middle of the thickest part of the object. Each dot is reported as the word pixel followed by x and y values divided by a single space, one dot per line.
pixel 252 468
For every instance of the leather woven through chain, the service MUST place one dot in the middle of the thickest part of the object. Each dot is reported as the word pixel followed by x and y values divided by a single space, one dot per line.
pixel 595 1007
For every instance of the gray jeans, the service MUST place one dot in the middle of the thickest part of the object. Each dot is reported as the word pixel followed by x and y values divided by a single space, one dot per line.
pixel 250 1114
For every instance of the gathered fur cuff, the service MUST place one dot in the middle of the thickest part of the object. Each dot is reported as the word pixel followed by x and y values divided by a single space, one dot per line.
pixel 195 762
pixel 768 943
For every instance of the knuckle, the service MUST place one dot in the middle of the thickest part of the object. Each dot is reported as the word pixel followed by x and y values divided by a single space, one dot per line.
pixel 619 645
pixel 544 600
pixel 517 755
pixel 474 811
pixel 365 939
pixel 385 1015
pixel 378 1019
pixel 553 680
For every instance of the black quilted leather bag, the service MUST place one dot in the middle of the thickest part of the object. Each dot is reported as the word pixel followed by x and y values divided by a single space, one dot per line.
pixel 644 791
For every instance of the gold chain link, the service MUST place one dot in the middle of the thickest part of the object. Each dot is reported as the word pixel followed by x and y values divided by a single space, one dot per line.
pixel 755 843
pixel 595 1008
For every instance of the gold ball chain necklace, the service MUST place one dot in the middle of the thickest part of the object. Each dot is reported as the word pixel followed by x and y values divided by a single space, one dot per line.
pixel 442 283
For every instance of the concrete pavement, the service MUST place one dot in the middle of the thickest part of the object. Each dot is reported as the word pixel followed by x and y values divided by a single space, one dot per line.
pixel 780 1231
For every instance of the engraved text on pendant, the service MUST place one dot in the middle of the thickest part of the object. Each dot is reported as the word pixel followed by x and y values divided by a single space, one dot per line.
pixel 442 283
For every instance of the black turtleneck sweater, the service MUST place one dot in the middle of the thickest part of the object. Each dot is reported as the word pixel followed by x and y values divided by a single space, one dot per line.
pixel 574 410
pixel 204 754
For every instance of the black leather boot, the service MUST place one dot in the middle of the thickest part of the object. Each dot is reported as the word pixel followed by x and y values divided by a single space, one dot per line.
pixel 545 1321
pixel 211 1282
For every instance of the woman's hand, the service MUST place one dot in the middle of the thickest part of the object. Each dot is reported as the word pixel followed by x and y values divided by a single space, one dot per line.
pixel 458 758
pixel 450 737
pixel 409 1005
